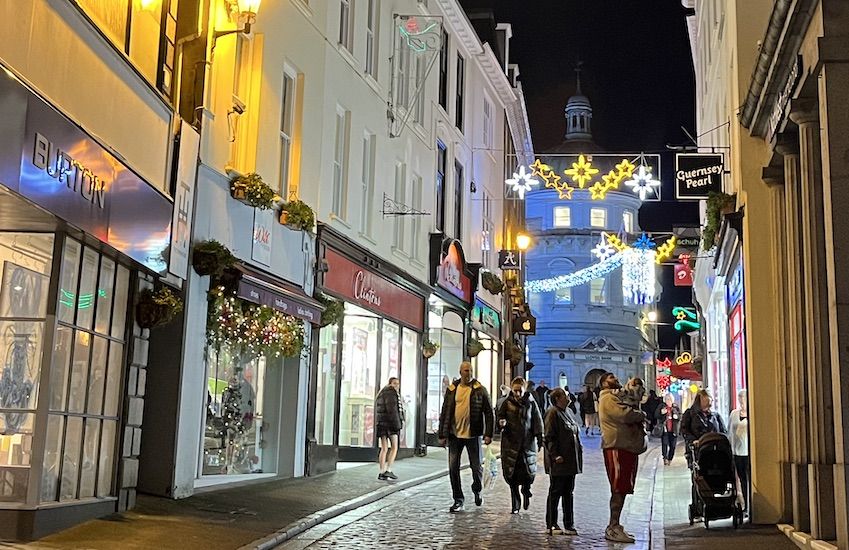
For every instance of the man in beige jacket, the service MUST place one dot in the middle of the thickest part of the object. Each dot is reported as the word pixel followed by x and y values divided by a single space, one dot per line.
pixel 622 441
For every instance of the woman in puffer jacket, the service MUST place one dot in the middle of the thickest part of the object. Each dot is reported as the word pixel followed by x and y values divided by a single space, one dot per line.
pixel 521 437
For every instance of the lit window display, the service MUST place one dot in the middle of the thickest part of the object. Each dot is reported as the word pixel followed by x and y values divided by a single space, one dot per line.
pixel 447 330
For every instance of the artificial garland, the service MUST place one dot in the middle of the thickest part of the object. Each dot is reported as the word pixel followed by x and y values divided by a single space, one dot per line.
pixel 254 330
pixel 334 310
pixel 253 191
pixel 157 308
pixel 474 347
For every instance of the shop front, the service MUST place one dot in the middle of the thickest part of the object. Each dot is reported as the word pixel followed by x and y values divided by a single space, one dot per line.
pixel 449 306
pixel 486 329
pixel 82 234
pixel 377 336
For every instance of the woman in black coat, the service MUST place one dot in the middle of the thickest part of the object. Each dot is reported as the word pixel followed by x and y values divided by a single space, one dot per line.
pixel 563 461
pixel 521 425
pixel 389 419
pixel 698 420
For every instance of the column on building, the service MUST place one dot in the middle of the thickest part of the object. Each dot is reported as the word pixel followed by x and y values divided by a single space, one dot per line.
pixel 833 130
pixel 794 336
pixel 821 435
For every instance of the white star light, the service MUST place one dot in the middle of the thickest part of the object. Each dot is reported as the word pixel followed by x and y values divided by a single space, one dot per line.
pixel 521 182
pixel 604 250
pixel 643 182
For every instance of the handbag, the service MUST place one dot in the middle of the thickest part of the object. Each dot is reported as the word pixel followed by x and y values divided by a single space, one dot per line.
pixel 490 468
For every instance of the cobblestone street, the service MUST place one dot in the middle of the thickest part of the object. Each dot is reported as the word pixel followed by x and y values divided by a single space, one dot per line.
pixel 419 518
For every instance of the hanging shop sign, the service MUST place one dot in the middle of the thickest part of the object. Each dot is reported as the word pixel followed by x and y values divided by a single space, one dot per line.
pixel 52 162
pixel 525 325
pixel 683 271
pixel 262 233
pixel 181 222
pixel 686 319
pixel 486 319
pixel 359 285
pixel 452 271
pixel 508 260
pixel 735 285
pixel 698 174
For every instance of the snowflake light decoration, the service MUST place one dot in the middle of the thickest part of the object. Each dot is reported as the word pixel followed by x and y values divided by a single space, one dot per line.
pixel 604 250
pixel 644 183
pixel 644 243
pixel 522 182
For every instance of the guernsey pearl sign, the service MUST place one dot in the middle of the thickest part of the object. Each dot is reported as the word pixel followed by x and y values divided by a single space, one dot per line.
pixel 696 175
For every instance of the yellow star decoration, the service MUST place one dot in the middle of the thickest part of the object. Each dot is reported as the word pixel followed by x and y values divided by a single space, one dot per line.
pixel 565 191
pixel 665 250
pixel 552 180
pixel 581 172
pixel 597 191
pixel 539 169
pixel 616 242
pixel 613 179
pixel 626 168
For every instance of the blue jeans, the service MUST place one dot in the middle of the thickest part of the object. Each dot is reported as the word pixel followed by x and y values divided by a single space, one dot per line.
pixel 475 452
pixel 667 440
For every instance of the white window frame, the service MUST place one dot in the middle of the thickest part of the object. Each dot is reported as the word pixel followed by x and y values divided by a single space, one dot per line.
pixel 403 99
pixel 400 196
pixel 416 231
pixel 419 92
pixel 340 163
pixel 346 24
pixel 563 300
pixel 367 182
pixel 628 221
pixel 593 213
pixel 487 231
pixel 556 219
pixel 287 124
pixel 604 287
pixel 488 127
pixel 372 37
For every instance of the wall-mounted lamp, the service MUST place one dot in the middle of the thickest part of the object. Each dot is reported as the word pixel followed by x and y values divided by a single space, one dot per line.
pixel 245 9
pixel 523 241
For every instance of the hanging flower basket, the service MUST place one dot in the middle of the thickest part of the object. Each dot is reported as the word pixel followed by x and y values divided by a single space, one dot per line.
pixel 157 308
pixel 297 215
pixel 474 347
pixel 429 348
pixel 717 205
pixel 211 258
pixel 253 191
pixel 334 310
pixel 515 354
pixel 492 282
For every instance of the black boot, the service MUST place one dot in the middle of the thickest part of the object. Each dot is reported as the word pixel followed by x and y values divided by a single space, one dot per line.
pixel 526 494
pixel 515 498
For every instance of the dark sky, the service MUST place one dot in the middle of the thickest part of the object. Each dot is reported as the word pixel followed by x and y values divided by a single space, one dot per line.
pixel 638 74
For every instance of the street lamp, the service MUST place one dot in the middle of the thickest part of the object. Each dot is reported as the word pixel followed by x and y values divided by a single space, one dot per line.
pixel 523 241
pixel 247 10
pixel 652 316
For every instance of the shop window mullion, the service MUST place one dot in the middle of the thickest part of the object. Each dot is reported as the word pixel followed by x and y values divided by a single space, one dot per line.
pixel 94 307
pixel 377 375
pixel 337 405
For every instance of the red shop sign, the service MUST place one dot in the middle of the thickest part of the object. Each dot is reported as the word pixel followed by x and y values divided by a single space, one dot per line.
pixel 450 273
pixel 364 288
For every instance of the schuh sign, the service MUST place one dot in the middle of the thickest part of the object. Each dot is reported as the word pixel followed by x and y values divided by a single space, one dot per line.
pixel 698 174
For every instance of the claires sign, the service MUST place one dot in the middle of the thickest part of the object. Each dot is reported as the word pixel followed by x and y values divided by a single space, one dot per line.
pixel 362 287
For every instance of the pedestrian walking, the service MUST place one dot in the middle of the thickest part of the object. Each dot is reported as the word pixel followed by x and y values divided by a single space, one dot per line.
pixel 622 440
pixel 466 417
pixel 543 399
pixel 389 419
pixel 698 420
pixel 563 461
pixel 589 410
pixel 668 417
pixel 650 407
pixel 739 436
pixel 521 438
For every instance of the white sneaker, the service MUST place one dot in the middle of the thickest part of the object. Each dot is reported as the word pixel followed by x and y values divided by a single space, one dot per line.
pixel 570 532
pixel 617 534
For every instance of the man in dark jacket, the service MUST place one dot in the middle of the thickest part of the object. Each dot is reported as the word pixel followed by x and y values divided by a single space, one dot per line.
pixel 466 416
pixel 542 397
pixel 389 419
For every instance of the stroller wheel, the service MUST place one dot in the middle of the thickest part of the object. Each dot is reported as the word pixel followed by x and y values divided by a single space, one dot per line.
pixel 690 513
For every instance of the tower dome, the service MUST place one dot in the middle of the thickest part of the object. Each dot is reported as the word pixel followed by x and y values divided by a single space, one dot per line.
pixel 579 114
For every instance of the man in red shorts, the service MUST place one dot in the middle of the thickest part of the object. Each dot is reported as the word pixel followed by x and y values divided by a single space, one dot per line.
pixel 622 441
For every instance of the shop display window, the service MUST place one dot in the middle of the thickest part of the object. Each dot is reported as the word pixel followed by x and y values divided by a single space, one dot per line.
pixel 410 354
pixel 234 418
pixel 447 331
pixel 486 365
pixel 359 378
pixel 85 376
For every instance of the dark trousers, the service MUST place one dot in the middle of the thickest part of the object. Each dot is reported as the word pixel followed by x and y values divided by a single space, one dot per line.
pixel 560 488
pixel 519 482
pixel 667 442
pixel 741 465
pixel 455 450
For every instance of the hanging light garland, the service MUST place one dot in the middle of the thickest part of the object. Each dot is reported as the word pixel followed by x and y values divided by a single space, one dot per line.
pixel 252 329
pixel 581 277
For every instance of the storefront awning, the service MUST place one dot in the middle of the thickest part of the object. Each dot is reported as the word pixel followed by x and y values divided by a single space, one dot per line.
pixel 685 371
pixel 285 297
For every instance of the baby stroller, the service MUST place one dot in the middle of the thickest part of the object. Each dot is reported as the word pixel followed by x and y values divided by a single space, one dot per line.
pixel 714 485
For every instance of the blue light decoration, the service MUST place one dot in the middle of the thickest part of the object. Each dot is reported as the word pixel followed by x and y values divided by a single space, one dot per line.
pixel 644 243
pixel 687 319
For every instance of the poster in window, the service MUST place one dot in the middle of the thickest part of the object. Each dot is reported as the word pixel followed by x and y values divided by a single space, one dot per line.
pixel 24 292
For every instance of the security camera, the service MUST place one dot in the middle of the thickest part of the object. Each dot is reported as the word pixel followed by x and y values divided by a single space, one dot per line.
pixel 239 106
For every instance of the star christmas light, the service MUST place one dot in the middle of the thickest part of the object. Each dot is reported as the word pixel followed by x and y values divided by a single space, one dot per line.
pixel 604 250
pixel 643 183
pixel 522 182
pixel 582 172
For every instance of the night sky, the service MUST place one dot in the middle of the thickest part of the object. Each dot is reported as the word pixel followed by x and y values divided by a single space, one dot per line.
pixel 638 74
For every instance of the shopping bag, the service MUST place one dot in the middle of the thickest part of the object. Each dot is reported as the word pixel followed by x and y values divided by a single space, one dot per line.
pixel 490 468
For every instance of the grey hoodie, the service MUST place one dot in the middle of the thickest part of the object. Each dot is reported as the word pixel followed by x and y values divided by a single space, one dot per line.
pixel 621 425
